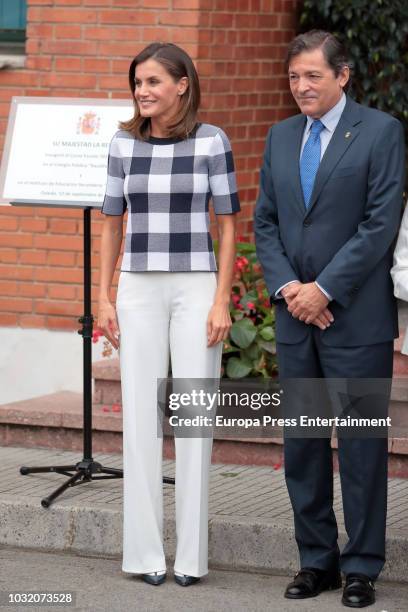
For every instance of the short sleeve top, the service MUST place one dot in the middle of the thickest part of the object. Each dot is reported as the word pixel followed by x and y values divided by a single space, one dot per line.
pixel 166 186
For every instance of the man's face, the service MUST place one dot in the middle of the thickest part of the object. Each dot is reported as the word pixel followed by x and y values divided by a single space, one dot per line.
pixel 313 83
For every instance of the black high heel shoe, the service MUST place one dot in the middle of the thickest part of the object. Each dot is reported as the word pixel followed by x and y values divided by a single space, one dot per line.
pixel 185 580
pixel 154 578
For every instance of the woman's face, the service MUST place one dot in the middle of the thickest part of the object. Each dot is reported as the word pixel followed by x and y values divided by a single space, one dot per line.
pixel 156 92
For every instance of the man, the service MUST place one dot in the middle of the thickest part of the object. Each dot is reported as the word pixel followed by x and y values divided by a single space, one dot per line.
pixel 327 214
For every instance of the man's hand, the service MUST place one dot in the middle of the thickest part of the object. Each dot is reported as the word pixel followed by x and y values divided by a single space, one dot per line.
pixel 291 291
pixel 308 303
pixel 324 319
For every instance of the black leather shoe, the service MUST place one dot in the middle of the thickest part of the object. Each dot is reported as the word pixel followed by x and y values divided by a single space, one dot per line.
pixel 358 592
pixel 310 581
pixel 154 579
pixel 185 580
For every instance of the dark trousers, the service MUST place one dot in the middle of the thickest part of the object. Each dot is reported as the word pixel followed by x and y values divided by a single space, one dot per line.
pixel 362 465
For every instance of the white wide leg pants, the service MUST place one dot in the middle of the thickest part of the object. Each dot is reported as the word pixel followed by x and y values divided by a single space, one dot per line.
pixel 160 312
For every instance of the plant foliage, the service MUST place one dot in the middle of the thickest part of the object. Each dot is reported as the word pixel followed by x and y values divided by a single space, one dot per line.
pixel 250 348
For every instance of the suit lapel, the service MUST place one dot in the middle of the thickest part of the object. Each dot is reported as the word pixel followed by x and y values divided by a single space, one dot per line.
pixel 294 143
pixel 344 134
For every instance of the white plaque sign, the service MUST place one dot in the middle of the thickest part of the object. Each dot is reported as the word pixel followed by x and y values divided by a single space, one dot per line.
pixel 56 150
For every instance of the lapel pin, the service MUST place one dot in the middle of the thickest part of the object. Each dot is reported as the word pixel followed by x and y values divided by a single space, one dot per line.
pixel 347 135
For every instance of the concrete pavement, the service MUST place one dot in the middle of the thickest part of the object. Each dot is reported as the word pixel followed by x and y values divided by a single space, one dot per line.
pixel 100 586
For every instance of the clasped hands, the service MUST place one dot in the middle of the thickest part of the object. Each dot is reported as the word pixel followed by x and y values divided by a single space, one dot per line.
pixel 308 303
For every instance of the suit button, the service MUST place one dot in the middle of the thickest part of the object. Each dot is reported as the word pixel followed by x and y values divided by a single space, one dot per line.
pixel 306 223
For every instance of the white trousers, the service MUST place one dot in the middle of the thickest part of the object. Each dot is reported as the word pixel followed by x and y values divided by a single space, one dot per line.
pixel 158 313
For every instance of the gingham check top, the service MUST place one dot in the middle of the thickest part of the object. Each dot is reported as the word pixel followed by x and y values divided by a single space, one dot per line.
pixel 166 185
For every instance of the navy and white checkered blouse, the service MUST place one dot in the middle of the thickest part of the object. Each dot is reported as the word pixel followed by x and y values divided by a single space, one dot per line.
pixel 166 185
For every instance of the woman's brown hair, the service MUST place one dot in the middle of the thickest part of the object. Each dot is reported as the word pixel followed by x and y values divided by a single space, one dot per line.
pixel 178 64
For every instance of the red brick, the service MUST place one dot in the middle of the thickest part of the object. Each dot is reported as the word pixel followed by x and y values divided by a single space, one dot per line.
pixel 48 211
pixel 8 288
pixel 68 64
pixel 30 320
pixel 38 63
pixel 97 2
pixel 57 308
pixel 64 292
pixel 120 66
pixel 8 224
pixel 60 275
pixel 146 3
pixel 7 319
pixel 61 323
pixel 33 46
pixel 131 33
pixel 98 33
pixel 5 95
pixel 62 226
pixel 125 17
pixel 60 15
pixel 91 93
pixel 17 272
pixel 187 4
pixel 16 240
pixel 119 49
pixel 37 92
pixel 221 20
pixel 113 82
pixel 19 77
pixel 39 30
pixel 15 305
pixel 96 65
pixel 158 33
pixel 33 257
pixel 61 258
pixel 73 47
pixel 68 80
pixel 59 243
pixel 32 290
pixel 33 225
pixel 8 255
pixel 180 18
pixel 68 31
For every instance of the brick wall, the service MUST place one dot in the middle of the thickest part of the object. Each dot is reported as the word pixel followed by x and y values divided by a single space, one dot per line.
pixel 82 48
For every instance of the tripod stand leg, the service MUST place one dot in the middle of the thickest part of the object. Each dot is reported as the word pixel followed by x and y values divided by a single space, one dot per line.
pixel 47 501
pixel 32 470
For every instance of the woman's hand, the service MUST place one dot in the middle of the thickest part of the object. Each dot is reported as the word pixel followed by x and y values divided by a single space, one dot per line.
pixel 218 323
pixel 108 323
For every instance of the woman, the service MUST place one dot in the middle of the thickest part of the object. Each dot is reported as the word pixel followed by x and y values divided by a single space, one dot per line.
pixel 164 167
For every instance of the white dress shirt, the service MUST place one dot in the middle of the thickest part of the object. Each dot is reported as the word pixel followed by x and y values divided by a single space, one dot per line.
pixel 399 271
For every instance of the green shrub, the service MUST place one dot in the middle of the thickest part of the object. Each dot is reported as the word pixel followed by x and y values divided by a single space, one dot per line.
pixel 250 348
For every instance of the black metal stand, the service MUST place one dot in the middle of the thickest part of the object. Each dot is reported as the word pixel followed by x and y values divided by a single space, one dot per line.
pixel 85 470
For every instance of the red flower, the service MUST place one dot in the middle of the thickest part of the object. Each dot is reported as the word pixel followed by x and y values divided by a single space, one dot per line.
pixel 251 305
pixel 96 334
pixel 242 262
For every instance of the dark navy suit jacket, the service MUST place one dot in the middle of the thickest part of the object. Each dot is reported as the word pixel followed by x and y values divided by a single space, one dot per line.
pixel 345 239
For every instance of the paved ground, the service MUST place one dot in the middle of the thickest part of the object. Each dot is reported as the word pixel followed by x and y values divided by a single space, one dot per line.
pixel 100 586
pixel 239 490
pixel 250 526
